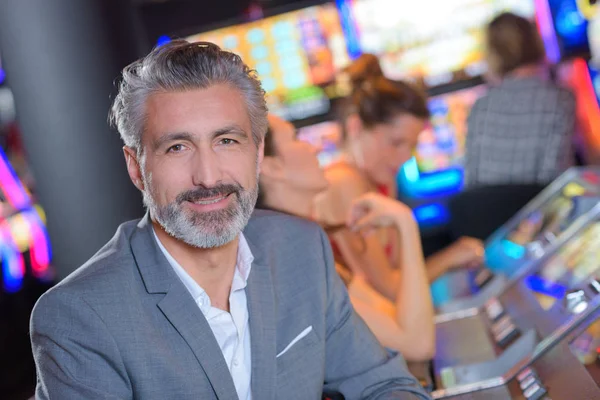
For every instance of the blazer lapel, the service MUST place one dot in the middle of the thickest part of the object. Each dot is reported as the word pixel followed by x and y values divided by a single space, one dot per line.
pixel 261 309
pixel 180 309
pixel 183 313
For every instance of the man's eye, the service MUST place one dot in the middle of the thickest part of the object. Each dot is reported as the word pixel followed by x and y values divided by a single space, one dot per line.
pixel 226 141
pixel 175 148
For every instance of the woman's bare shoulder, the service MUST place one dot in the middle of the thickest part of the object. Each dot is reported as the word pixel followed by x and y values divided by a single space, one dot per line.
pixel 346 183
pixel 345 177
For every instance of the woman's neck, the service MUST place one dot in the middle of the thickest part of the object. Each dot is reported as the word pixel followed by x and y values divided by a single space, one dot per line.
pixel 349 159
pixel 527 71
pixel 290 202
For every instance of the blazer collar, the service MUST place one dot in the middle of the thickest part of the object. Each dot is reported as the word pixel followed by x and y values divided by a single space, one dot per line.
pixel 263 324
pixel 157 274
pixel 180 310
pixel 185 316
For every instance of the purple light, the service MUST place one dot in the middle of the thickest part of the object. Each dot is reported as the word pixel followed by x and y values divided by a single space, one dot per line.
pixel 14 191
pixel 546 26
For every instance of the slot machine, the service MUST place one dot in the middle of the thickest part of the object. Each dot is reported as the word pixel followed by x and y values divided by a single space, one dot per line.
pixel 539 339
pixel 503 348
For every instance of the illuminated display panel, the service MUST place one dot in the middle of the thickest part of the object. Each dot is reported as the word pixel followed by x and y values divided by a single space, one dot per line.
pixel 296 56
pixel 442 144
pixel 325 136
pixel 538 228
pixel 570 266
pixel 438 42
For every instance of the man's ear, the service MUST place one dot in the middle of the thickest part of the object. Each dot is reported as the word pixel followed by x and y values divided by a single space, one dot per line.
pixel 353 126
pixel 133 167
pixel 272 168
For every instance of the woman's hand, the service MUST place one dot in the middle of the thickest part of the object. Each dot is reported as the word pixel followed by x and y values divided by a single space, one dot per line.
pixel 465 252
pixel 372 211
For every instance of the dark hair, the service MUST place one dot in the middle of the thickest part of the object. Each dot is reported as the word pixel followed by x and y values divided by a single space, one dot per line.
pixel 269 144
pixel 377 99
pixel 512 42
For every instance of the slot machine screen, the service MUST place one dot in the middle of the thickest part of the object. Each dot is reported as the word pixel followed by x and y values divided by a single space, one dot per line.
pixel 295 54
pixel 431 41
pixel 570 266
pixel 325 136
pixel 441 145
pixel 538 228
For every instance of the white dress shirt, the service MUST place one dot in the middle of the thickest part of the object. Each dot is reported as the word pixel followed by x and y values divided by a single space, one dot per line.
pixel 231 329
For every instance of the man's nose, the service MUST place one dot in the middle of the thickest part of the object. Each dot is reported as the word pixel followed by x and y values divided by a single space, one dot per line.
pixel 206 170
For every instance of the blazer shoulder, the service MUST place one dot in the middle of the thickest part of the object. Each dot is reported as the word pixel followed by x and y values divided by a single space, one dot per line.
pixel 107 270
pixel 265 219
pixel 270 230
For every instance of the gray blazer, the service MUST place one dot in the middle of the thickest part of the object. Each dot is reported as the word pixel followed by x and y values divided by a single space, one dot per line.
pixel 123 326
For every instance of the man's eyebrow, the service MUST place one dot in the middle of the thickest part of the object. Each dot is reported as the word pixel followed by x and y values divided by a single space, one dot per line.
pixel 170 137
pixel 230 129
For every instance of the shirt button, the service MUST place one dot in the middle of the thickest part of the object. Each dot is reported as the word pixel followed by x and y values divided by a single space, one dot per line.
pixel 235 362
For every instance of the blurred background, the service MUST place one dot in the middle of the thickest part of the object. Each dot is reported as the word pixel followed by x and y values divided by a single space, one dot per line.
pixel 63 185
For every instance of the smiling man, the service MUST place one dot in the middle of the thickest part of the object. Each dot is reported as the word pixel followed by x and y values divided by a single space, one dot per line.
pixel 205 298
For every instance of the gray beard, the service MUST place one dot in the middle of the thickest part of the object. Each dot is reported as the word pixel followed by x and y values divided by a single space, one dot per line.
pixel 205 230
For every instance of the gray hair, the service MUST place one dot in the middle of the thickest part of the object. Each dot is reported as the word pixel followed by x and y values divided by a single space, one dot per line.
pixel 179 66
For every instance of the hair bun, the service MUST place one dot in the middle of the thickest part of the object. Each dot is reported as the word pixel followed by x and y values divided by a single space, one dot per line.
pixel 363 70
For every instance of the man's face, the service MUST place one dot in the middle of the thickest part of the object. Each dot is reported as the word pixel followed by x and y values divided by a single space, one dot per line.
pixel 199 166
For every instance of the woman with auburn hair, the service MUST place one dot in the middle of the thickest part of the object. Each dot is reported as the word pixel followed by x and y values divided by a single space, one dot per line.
pixel 382 121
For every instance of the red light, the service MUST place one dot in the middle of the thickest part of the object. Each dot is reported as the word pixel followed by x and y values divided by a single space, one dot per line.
pixel 588 111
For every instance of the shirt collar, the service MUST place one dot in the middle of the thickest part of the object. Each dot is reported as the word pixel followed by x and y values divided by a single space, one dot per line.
pixel 240 278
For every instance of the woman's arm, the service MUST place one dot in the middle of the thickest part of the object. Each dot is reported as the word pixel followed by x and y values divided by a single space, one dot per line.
pixel 380 316
pixel 465 252
pixel 413 307
pixel 364 256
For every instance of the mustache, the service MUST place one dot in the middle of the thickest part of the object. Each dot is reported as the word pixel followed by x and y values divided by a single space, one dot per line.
pixel 208 192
